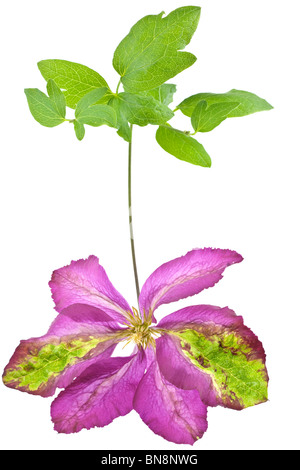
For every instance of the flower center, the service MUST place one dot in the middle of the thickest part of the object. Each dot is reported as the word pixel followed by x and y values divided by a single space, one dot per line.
pixel 141 335
pixel 140 331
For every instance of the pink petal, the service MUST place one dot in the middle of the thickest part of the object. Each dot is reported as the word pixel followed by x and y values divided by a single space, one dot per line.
pixel 198 314
pixel 85 282
pixel 180 372
pixel 185 276
pixel 103 392
pixel 80 317
pixel 176 415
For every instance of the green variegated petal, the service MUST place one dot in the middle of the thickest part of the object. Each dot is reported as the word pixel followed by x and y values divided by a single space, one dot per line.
pixel 39 365
pixel 225 358
pixel 219 355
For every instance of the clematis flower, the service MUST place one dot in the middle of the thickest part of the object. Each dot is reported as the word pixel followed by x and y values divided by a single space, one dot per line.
pixel 197 357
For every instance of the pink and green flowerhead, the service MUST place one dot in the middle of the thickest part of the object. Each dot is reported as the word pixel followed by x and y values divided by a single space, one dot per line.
pixel 196 357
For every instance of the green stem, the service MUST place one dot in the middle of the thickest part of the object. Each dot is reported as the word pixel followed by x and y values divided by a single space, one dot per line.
pixel 118 86
pixel 130 218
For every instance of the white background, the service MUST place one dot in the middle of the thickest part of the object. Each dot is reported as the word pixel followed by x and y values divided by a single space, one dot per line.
pixel 62 199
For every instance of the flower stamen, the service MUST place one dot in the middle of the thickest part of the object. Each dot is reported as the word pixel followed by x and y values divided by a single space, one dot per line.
pixel 140 331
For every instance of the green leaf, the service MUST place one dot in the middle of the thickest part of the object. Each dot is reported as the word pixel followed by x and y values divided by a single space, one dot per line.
pixel 43 109
pixel 95 115
pixel 205 118
pixel 140 109
pixel 57 96
pixel 98 115
pixel 79 130
pixel 249 103
pixel 164 93
pixel 122 121
pixel 89 99
pixel 182 146
pixel 75 79
pixel 125 132
pixel 150 54
pixel 143 110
